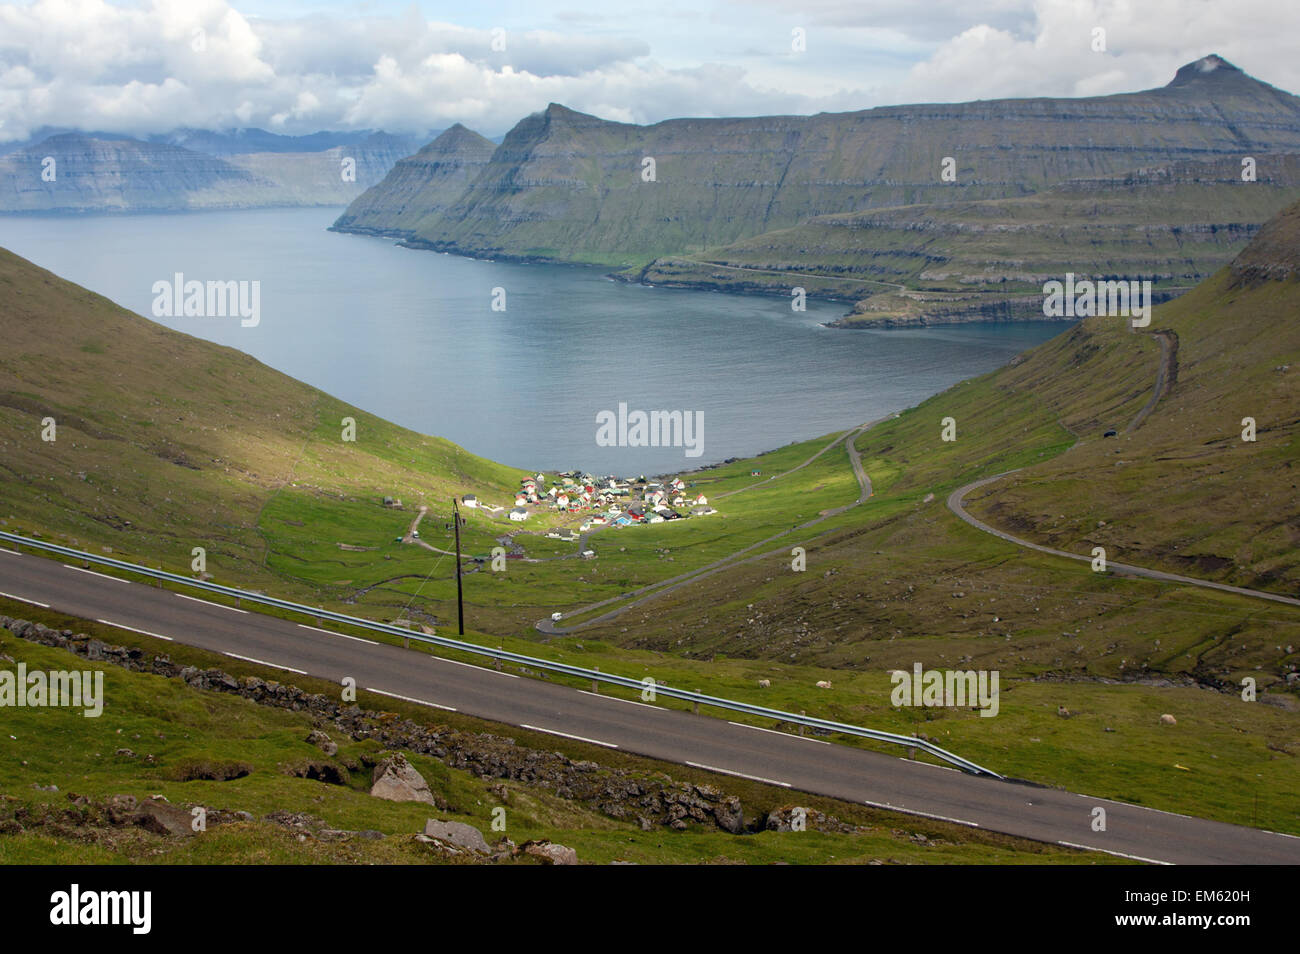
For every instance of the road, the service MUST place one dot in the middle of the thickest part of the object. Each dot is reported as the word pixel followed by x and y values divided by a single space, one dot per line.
pixel 798 763
pixel 956 503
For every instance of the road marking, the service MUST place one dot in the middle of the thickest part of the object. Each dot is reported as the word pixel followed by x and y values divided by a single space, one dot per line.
pixel 538 728
pixel 508 675
pixel 1159 811
pixel 913 811
pixel 1118 854
pixel 1282 833
pixel 82 569
pixel 12 552
pixel 263 662
pixel 787 735
pixel 752 778
pixel 421 702
pixel 643 705
pixel 23 599
pixel 109 622
pixel 195 599
pixel 340 635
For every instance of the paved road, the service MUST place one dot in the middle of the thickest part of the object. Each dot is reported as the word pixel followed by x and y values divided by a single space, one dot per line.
pixel 802 764
pixel 956 503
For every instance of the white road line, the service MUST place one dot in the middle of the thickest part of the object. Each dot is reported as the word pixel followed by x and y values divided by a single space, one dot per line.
pixel 263 662
pixel 421 702
pixel 752 778
pixel 109 622
pixel 538 728
pixel 195 599
pixel 1159 811
pixel 1282 833
pixel 1117 854
pixel 913 811
pixel 643 705
pixel 788 735
pixel 454 662
pixel 328 632
pixel 82 569
pixel 12 552
pixel 23 599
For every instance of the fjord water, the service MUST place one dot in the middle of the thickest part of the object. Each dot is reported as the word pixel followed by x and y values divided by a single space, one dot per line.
pixel 411 336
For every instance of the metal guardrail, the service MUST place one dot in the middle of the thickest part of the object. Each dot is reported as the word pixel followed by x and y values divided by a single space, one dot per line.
pixel 593 675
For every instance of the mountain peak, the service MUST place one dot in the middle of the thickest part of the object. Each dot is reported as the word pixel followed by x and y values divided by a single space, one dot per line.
pixel 1212 68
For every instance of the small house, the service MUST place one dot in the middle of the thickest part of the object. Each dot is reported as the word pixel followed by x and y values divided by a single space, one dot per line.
pixel 519 513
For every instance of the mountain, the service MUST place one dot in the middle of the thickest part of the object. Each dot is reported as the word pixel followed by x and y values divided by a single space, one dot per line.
pixel 75 173
pixel 564 186
pixel 1174 223
pixel 420 186
pixel 231 142
pixel 122 174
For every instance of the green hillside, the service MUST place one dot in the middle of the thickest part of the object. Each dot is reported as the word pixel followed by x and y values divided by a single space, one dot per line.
pixel 164 442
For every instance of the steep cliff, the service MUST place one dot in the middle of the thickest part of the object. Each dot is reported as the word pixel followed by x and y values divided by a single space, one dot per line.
pixel 1174 223
pixel 420 186
pixel 566 186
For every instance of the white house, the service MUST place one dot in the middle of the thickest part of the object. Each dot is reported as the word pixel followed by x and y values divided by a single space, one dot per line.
pixel 469 500
pixel 701 501
pixel 519 513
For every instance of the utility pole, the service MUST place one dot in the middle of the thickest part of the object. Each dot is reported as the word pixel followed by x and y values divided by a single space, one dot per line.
pixel 460 601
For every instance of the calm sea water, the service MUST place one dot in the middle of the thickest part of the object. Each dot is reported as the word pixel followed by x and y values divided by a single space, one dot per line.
pixel 411 336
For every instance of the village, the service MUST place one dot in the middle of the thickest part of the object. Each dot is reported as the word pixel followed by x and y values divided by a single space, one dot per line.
pixel 602 501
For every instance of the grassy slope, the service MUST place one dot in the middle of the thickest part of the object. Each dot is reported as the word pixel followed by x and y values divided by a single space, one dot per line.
pixel 166 442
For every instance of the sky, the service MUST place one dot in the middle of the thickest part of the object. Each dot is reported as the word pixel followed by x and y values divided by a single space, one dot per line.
pixel 297 67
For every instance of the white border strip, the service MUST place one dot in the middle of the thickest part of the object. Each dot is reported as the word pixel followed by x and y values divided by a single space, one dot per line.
pixel 263 662
pixel 23 599
pixel 195 599
pixel 145 632
pixel 328 632
pixel 579 738
pixel 421 702
pixel 752 778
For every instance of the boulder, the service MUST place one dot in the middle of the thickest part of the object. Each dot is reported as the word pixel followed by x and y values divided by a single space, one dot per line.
pixel 163 819
pixel 396 780
pixel 1167 719
pixel 551 852
pixel 456 833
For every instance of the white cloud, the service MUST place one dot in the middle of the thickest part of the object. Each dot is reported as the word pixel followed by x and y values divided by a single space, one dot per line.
pixel 166 63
